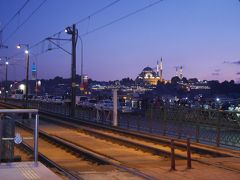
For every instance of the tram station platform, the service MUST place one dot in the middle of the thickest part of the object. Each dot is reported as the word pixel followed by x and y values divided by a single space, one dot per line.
pixel 26 171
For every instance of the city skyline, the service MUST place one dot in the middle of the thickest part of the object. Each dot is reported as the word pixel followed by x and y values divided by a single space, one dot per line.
pixel 201 36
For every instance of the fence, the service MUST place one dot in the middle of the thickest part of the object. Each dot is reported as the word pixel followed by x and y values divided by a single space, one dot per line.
pixel 220 128
pixel 9 136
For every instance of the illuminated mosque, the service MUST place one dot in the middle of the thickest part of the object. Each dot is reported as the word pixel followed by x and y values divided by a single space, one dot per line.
pixel 152 76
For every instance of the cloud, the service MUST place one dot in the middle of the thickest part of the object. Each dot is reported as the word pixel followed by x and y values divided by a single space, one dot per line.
pixel 215 74
pixel 232 62
pixel 238 73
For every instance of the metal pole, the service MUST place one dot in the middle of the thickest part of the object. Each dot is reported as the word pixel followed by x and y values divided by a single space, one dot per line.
pixel 6 64
pixel 189 162
pixel 36 139
pixel 73 97
pixel 27 75
pixel 172 156
pixel 81 61
pixel 36 87
pixel 115 104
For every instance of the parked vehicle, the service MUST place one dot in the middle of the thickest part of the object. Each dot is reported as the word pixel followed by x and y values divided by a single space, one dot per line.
pixel 105 105
pixel 80 100
pixel 90 103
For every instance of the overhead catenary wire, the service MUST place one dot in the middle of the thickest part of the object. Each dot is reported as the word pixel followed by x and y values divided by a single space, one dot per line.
pixel 97 12
pixel 26 20
pixel 110 23
pixel 81 20
pixel 105 25
pixel 15 15
pixel 122 18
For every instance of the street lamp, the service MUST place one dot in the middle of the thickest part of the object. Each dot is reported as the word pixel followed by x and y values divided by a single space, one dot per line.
pixel 27 67
pixel 69 30
pixel 81 86
pixel 6 75
pixel 38 84
pixel 74 33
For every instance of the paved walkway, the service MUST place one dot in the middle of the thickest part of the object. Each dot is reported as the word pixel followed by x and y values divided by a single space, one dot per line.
pixel 26 171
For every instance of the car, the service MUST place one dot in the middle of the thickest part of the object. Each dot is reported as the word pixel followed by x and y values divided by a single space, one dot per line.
pixel 105 105
pixel 90 103
pixel 81 100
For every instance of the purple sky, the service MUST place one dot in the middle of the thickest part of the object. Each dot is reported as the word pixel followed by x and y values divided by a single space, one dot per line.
pixel 200 35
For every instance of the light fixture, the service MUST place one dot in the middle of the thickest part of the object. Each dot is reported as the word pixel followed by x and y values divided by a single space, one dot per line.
pixel 6 62
pixel 39 83
pixel 68 30
pixel 18 46
pixel 22 87
pixel 26 51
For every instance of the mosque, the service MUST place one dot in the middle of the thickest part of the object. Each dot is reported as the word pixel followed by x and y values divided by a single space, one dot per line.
pixel 152 76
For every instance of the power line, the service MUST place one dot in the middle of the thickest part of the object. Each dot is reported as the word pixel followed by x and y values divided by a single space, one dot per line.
pixel 17 13
pixel 87 17
pixel 102 26
pixel 26 20
pixel 81 20
pixel 122 18
pixel 97 12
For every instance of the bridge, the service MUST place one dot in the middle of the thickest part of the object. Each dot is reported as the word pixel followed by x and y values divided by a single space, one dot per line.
pixel 159 143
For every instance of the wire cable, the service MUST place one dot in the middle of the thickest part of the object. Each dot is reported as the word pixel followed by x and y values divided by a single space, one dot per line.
pixel 122 18
pixel 97 12
pixel 89 16
pixel 17 13
pixel 105 25
pixel 26 20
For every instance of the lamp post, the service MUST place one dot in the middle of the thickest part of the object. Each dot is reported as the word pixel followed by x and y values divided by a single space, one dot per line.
pixel 38 85
pixel 27 68
pixel 6 78
pixel 81 86
pixel 73 31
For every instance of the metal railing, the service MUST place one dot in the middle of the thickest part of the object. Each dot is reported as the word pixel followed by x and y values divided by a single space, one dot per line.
pixel 18 139
pixel 220 128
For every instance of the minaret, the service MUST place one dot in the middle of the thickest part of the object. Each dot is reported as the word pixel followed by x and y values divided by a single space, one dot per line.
pixel 157 69
pixel 161 70
pixel 181 72
pixel 176 71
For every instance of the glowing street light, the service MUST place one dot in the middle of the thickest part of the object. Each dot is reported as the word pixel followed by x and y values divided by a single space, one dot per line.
pixel 39 83
pixel 6 78
pixel 26 52
pixel 27 67
pixel 22 87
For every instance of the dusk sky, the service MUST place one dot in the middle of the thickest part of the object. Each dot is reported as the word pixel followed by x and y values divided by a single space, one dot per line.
pixel 201 35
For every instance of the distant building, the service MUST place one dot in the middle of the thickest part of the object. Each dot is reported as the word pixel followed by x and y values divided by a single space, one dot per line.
pixel 149 76
pixel 34 71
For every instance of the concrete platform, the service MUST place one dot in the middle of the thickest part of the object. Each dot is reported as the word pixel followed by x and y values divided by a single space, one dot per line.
pixel 26 170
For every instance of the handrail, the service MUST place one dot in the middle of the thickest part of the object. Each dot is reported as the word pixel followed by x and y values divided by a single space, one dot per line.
pixel 18 110
pixel 29 111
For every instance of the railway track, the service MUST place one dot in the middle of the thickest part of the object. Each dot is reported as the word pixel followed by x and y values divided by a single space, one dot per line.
pixel 74 161
pixel 55 167
pixel 150 149
pixel 71 133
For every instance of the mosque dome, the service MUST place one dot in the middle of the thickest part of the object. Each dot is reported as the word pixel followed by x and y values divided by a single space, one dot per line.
pixel 147 69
